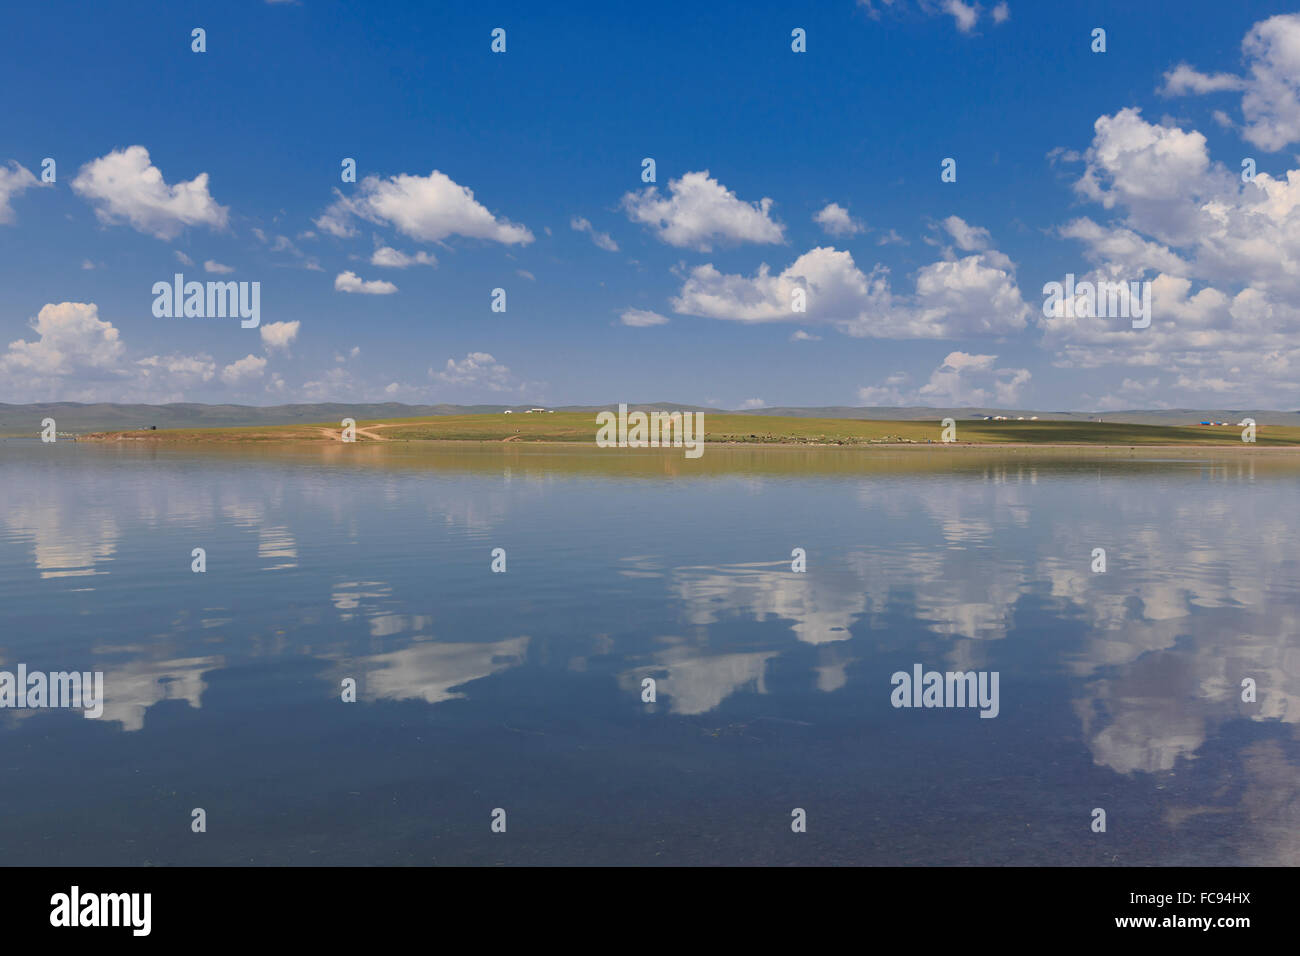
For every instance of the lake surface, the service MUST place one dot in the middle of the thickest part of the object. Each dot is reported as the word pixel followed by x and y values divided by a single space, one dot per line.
pixel 522 690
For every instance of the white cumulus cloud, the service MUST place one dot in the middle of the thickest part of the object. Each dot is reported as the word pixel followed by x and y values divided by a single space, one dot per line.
pixel 966 379
pixel 244 370
pixel 476 370
pixel 1270 88
pixel 278 335
pixel 1222 258
pixel 125 186
pixel 700 211
pixel 426 208
pixel 836 221
pixel 351 282
pixel 70 336
pixel 963 378
pixel 971 295
pixel 77 356
pixel 963 14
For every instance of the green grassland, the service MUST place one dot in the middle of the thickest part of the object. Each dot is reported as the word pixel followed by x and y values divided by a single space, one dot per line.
pixel 580 427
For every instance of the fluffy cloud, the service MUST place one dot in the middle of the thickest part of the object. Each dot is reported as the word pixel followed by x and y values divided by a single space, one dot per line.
pixel 959 296
pixel 1183 79
pixel 1123 248
pixel 77 356
pixel 1232 230
pixel 1270 99
pixel 391 258
pixel 603 240
pixel 176 371
pixel 476 370
pixel 71 337
pixel 1222 257
pixel 351 282
pixel 1150 171
pixel 278 335
pixel 336 384
pixel 836 221
pixel 968 238
pixel 1205 334
pixel 13 180
pixel 962 379
pixel 1270 104
pixel 244 370
pixel 963 14
pixel 126 186
pixel 890 392
pixel 951 382
pixel 427 208
pixel 211 265
pixel 701 211
pixel 965 379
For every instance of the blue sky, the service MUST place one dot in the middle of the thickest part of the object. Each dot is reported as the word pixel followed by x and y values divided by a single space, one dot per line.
pixel 775 170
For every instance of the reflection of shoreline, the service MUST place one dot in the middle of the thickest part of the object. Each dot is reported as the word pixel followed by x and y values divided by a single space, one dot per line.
pixel 547 460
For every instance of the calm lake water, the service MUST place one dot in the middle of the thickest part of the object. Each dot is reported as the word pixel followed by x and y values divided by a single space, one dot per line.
pixel 522 690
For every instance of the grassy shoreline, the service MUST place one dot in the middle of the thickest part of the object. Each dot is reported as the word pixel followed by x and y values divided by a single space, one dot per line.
pixel 580 428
